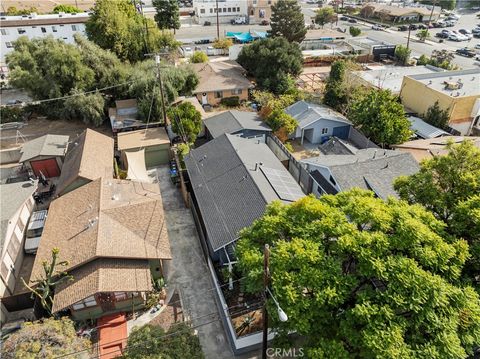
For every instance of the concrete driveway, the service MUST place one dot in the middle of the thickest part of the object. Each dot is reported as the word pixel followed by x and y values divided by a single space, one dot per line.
pixel 189 271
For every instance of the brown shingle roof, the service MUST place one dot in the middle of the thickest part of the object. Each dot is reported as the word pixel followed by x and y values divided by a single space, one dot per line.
pixel 105 218
pixel 90 156
pixel 220 76
pixel 103 275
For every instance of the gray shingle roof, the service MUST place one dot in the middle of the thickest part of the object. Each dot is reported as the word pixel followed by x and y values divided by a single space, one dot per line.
pixel 234 121
pixel 377 174
pixel 12 196
pixel 307 113
pixel 425 130
pixel 230 191
pixel 48 145
pixel 360 156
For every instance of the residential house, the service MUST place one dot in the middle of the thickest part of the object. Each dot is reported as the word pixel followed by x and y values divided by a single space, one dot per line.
pixel 114 237
pixel 16 206
pixel 371 169
pixel 60 26
pixel 401 14
pixel 154 141
pixel 428 148
pixel 89 157
pixel 240 123
pixel 232 181
pixel 45 155
pixel 260 10
pixel 388 77
pixel 222 79
pixel 228 10
pixel 457 92
pixel 317 123
pixel 425 130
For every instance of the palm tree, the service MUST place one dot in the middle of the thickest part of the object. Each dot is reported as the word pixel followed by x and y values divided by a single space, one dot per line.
pixel 423 35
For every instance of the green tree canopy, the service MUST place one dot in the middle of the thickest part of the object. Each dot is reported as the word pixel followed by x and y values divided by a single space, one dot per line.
pixel 336 95
pixel 152 342
pixel 68 9
pixel 402 54
pixel 354 31
pixel 423 35
pixel 360 277
pixel 325 15
pixel 449 187
pixel 381 117
pixel 117 26
pixel 272 61
pixel 199 57
pixel 167 14
pixel 186 121
pixel 12 10
pixel 436 116
pixel 49 338
pixel 287 21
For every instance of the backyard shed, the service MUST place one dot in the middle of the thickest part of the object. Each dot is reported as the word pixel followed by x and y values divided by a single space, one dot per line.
pixel 45 155
pixel 154 140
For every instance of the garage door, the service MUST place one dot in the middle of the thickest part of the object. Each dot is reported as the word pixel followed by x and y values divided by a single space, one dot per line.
pixel 48 167
pixel 155 156
pixel 341 132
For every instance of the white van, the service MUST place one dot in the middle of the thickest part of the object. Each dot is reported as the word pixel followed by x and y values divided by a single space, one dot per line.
pixel 187 51
pixel 34 231
pixel 210 51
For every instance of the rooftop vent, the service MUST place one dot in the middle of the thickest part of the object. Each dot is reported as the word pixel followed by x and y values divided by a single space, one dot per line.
pixel 451 85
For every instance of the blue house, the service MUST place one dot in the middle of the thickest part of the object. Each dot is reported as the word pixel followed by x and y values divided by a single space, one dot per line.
pixel 317 123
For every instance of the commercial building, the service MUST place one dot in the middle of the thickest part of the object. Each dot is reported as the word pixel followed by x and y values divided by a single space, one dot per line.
pixel 228 10
pixel 458 92
pixel 60 26
pixel 399 14
pixel 260 10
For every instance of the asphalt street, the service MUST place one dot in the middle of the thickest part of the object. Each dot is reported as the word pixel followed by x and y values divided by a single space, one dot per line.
pixel 191 32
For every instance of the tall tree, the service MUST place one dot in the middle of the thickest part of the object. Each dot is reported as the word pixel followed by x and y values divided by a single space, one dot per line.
pixel 325 15
pixel 335 94
pixel 449 187
pixel 167 14
pixel 436 116
pixel 152 342
pixel 117 26
pixel 360 277
pixel 402 54
pixel 287 21
pixel 273 63
pixel 48 338
pixel 186 121
pixel 381 117
pixel 423 35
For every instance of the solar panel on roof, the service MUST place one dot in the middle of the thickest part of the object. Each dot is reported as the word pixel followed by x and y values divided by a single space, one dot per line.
pixel 283 184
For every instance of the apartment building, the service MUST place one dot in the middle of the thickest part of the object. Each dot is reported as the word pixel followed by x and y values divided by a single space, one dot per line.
pixel 228 10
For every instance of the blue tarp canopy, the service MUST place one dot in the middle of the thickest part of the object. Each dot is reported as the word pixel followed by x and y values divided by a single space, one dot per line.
pixel 246 36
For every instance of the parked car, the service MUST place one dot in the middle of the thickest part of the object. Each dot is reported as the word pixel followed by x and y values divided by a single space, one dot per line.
pixel 187 51
pixel 413 27
pixel 402 28
pixel 210 51
pixel 207 23
pixel 449 23
pixel 34 231
pixel 466 52
pixel 456 37
pixel 466 33
pixel 476 30
pixel 422 27
pixel 377 27
pixel 477 46
pixel 442 35
pixel 353 21
pixel 344 18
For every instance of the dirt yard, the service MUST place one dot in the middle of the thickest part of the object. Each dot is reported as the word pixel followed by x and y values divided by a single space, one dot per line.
pixel 46 6
pixel 37 127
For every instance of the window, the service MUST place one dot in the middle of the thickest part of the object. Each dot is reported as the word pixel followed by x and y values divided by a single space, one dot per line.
pixel 4 31
pixel 332 180
pixel 238 9
pixel 211 10
pixel 120 296
pixel 44 30
pixel 218 94
pixel 234 9
pixel 324 131
pixel 86 303
pixel 54 29
pixel 202 11
pixel 75 28
pixel 237 92
pixel 229 9
pixel 21 31
pixel 8 44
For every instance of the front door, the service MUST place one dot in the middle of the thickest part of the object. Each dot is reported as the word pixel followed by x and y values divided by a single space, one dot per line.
pixel 204 99
pixel 107 301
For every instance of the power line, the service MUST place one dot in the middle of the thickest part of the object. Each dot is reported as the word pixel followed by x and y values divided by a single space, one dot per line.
pixel 74 95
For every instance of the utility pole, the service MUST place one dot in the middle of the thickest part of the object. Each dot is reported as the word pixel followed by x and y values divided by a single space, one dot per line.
pixel 159 77
pixel 266 277
pixel 218 25
pixel 434 2
pixel 408 38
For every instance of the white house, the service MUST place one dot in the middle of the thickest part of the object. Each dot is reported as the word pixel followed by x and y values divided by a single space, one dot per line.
pixel 61 26
pixel 228 10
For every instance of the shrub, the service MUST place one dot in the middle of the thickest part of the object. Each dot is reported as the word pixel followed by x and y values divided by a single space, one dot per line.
pixel 11 114
pixel 199 57
pixel 354 31
pixel 230 101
